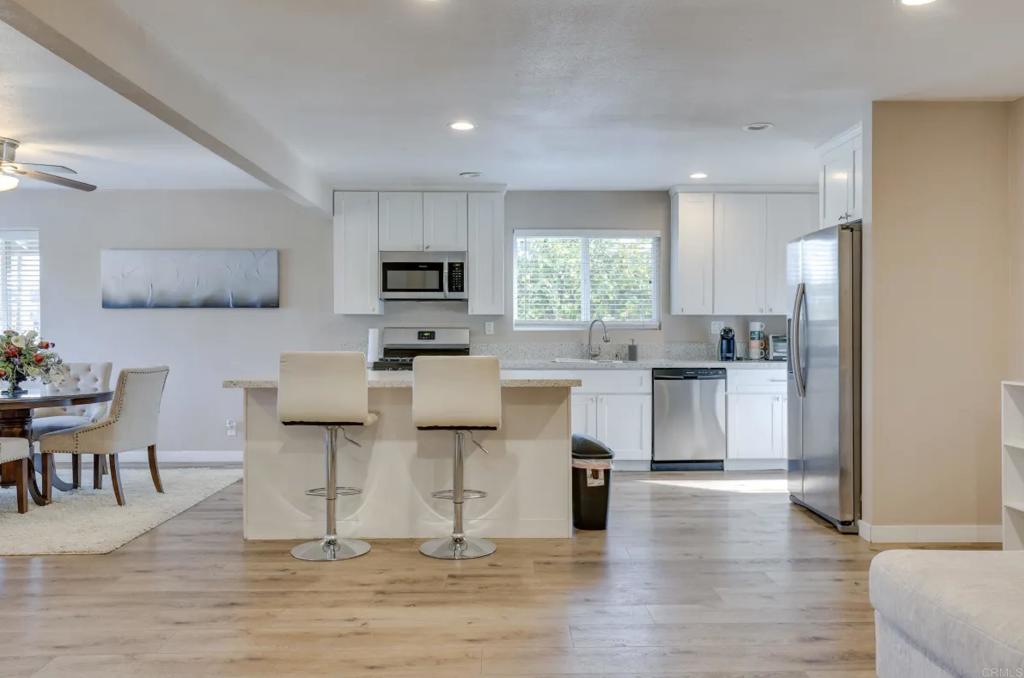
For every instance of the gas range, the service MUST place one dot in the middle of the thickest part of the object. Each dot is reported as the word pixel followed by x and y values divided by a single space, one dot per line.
pixel 399 345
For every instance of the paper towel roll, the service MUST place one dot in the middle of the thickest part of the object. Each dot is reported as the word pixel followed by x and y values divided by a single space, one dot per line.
pixel 372 345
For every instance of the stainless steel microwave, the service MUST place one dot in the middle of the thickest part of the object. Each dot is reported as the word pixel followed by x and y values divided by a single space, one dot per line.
pixel 423 276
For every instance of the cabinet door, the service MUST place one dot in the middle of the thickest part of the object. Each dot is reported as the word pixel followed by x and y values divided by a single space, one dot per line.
pixel 779 442
pixel 401 222
pixel 739 253
pixel 836 181
pixel 624 424
pixel 584 415
pixel 789 216
pixel 444 222
pixel 857 185
pixel 355 253
pixel 486 257
pixel 692 256
pixel 749 425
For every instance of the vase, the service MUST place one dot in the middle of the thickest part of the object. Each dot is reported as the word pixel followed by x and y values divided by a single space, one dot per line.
pixel 14 388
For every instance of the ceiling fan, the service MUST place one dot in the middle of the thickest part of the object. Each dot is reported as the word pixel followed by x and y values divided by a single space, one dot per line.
pixel 11 172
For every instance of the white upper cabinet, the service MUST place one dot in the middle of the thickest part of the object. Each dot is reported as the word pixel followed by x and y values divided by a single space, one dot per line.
pixel 486 254
pixel 355 253
pixel 693 254
pixel 739 253
pixel 841 179
pixel 401 222
pixel 788 217
pixel 444 222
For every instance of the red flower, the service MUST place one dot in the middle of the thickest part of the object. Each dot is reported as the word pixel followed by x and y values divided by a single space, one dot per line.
pixel 13 351
pixel 38 357
pixel 44 344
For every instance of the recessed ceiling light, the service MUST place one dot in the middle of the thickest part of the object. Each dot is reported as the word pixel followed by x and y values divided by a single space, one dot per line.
pixel 7 182
pixel 916 3
pixel 469 175
pixel 699 175
pixel 758 126
pixel 462 125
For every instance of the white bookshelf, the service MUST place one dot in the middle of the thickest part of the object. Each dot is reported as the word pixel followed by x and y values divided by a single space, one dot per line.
pixel 1013 465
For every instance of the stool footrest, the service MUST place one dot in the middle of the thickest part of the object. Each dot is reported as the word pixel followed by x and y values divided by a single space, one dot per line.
pixel 342 491
pixel 466 494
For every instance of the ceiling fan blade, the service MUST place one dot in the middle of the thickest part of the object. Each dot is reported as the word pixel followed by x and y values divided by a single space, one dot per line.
pixel 59 169
pixel 54 179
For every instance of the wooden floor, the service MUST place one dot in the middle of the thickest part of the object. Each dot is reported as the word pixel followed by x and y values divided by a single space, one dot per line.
pixel 697 573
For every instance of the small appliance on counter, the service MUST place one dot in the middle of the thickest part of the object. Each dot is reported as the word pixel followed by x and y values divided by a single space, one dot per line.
pixel 757 347
pixel 399 345
pixel 727 344
pixel 778 347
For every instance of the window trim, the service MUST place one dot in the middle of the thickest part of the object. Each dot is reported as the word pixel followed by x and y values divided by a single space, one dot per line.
pixel 559 325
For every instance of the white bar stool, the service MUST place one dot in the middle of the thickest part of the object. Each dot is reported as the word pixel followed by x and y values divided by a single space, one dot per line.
pixel 460 394
pixel 328 389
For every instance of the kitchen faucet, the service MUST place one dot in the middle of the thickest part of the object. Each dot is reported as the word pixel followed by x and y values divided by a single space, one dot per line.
pixel 591 353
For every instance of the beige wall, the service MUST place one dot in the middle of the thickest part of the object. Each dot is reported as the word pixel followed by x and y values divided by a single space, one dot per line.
pixel 1015 327
pixel 936 334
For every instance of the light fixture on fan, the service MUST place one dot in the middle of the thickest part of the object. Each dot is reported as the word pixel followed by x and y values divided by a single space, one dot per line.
pixel 11 171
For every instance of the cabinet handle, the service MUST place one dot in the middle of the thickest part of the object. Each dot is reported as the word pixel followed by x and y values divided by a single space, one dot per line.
pixel 426 247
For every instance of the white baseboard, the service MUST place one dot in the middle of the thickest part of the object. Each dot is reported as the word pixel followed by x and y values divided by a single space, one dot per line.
pixel 930 534
pixel 756 464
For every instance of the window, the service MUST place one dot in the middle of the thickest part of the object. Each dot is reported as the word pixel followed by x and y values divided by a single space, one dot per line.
pixel 565 279
pixel 19 280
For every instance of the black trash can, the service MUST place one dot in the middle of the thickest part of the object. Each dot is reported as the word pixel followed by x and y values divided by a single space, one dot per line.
pixel 591 482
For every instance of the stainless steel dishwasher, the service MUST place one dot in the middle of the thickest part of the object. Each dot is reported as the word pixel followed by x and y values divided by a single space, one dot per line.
pixel 689 419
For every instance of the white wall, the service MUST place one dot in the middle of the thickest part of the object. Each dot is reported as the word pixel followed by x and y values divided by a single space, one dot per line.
pixel 206 346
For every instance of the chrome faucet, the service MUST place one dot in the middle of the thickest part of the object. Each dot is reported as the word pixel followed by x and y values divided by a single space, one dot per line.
pixel 591 353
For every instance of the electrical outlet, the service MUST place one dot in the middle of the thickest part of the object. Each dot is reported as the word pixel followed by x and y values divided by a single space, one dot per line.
pixel 489 327
pixel 231 428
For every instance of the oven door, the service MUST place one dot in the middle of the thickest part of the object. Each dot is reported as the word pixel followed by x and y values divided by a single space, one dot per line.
pixel 412 279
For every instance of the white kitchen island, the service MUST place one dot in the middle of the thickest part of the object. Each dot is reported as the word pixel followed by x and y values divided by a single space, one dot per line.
pixel 526 474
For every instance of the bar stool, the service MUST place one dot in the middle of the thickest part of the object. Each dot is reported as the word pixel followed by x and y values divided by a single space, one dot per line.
pixel 328 389
pixel 460 394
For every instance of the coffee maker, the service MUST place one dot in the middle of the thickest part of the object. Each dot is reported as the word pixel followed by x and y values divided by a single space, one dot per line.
pixel 727 344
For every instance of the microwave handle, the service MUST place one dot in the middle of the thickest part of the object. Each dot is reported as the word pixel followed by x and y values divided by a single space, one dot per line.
pixel 444 277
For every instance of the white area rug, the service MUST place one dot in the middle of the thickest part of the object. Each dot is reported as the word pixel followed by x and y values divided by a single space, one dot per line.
pixel 90 521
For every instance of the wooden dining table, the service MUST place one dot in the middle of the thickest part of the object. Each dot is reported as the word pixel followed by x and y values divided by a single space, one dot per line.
pixel 16 414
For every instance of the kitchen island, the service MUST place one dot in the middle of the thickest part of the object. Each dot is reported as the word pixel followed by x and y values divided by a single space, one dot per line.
pixel 526 474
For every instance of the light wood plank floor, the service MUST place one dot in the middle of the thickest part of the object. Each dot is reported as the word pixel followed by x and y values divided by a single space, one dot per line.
pixel 698 574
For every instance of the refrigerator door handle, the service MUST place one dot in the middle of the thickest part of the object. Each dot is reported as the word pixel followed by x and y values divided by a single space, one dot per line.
pixel 798 369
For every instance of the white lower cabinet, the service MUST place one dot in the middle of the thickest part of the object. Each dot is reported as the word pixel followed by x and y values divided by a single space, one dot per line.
pixel 584 415
pixel 624 424
pixel 756 419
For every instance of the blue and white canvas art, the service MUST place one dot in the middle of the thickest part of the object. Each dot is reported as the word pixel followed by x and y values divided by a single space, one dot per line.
pixel 189 278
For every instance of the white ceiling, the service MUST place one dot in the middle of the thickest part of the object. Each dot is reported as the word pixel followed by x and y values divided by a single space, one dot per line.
pixel 567 94
pixel 63 116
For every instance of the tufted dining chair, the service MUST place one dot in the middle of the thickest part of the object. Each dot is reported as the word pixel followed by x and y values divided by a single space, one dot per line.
pixel 14 451
pixel 131 424
pixel 82 378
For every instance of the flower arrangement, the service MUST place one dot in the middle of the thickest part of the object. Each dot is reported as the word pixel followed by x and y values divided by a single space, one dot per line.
pixel 26 356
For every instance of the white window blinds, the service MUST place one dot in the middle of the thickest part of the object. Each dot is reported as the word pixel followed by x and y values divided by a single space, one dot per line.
pixel 569 278
pixel 19 280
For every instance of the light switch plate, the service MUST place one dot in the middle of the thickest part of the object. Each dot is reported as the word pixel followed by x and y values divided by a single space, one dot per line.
pixel 489 327
pixel 231 428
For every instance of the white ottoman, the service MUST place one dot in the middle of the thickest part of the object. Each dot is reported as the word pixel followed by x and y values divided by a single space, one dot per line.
pixel 948 613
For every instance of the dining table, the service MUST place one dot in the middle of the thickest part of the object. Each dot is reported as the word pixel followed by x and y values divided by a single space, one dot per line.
pixel 16 415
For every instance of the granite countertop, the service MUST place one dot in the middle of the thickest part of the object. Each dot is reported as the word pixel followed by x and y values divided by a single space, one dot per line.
pixel 404 380
pixel 640 364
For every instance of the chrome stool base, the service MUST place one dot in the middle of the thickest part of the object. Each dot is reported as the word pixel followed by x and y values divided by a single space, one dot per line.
pixel 447 548
pixel 330 549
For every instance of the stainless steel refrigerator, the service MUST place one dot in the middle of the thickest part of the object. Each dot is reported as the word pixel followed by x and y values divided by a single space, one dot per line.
pixel 824 279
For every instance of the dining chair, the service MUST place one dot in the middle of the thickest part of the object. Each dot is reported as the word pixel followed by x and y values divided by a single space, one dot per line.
pixel 15 451
pixel 131 424
pixel 82 378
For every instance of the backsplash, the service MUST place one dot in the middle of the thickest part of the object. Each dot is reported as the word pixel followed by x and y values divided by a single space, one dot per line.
pixel 553 350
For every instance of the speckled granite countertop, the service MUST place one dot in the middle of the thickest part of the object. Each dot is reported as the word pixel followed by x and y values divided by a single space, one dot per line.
pixel 404 380
pixel 639 365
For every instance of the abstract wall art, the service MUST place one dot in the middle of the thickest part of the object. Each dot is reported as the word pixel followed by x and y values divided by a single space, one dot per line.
pixel 189 278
